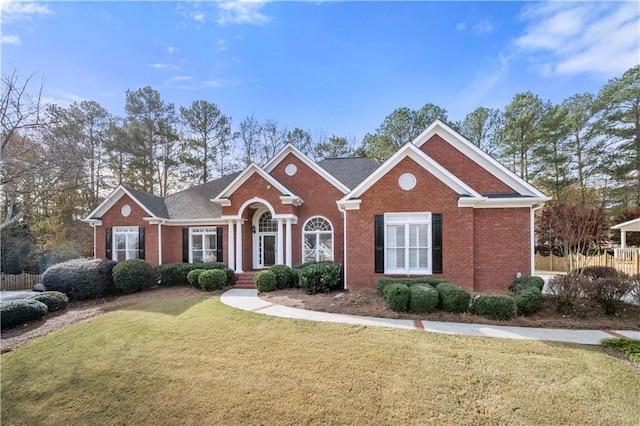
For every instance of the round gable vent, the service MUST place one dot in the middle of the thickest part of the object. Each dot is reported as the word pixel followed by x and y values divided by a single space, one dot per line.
pixel 291 169
pixel 407 181
pixel 125 210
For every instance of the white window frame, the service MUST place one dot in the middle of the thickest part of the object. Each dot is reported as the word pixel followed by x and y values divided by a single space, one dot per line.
pixel 317 235
pixel 127 231
pixel 407 219
pixel 202 231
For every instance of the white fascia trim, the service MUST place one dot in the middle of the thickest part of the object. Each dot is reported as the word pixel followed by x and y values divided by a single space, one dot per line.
pixel 190 222
pixel 470 201
pixel 349 204
pixel 625 224
pixel 291 149
pixel 426 162
pixel 246 174
pixel 509 203
pixel 112 199
pixel 480 157
pixel 93 222
pixel 223 202
pixel 293 217
pixel 288 199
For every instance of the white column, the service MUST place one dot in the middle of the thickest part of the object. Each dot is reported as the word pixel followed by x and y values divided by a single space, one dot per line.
pixel 239 246
pixel 289 261
pixel 159 243
pixel 623 239
pixel 231 255
pixel 279 247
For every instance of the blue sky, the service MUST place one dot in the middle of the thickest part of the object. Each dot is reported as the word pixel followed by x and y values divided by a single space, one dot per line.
pixel 335 67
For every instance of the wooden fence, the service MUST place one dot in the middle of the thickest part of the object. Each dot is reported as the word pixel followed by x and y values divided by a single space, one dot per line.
pixel 19 282
pixel 629 264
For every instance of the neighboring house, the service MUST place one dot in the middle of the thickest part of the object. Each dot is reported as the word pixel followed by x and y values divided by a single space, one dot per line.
pixel 439 206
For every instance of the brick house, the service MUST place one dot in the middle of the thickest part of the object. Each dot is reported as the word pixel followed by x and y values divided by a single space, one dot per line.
pixel 439 207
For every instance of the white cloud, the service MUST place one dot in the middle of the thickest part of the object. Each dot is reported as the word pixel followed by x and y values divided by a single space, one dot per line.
pixel 483 27
pixel 158 66
pixel 573 38
pixel 461 26
pixel 198 16
pixel 17 10
pixel 241 12
pixel 61 98
pixel 222 45
pixel 11 39
pixel 172 49
pixel 179 78
pixel 212 84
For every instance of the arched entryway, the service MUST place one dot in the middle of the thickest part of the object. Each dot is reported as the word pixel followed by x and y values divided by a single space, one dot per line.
pixel 265 239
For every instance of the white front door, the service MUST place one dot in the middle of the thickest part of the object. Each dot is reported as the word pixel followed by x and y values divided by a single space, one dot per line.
pixel 264 240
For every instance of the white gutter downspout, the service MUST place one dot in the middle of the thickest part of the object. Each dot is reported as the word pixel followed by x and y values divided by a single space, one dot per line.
pixel 533 238
pixel 95 243
pixel 160 223
pixel 344 245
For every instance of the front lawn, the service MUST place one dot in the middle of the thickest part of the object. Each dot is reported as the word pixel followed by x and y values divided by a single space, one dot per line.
pixel 192 360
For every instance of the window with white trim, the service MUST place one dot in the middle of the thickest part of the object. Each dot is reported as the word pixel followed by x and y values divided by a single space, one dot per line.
pixel 202 245
pixel 407 243
pixel 317 240
pixel 125 242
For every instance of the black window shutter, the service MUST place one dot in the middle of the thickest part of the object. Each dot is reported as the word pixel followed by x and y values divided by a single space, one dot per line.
pixel 108 244
pixel 185 245
pixel 219 244
pixel 379 242
pixel 436 236
pixel 141 242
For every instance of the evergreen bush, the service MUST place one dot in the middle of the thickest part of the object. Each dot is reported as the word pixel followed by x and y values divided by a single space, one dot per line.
pixel 423 298
pixel 500 308
pixel 397 297
pixel 193 276
pixel 81 279
pixel 55 300
pixel 522 283
pixel 283 275
pixel 231 275
pixel 212 279
pixel 382 283
pixel 20 311
pixel 265 281
pixel 174 274
pixel 453 299
pixel 528 301
pixel 134 275
pixel 319 277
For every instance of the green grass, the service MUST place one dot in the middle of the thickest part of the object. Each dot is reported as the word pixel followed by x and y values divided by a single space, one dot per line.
pixel 629 347
pixel 192 360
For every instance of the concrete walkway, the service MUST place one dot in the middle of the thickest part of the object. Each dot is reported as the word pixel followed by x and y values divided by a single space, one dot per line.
pixel 248 300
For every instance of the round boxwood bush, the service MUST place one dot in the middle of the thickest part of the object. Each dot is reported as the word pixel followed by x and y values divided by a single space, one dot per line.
pixel 265 281
pixel 501 308
pixel 319 277
pixel 283 275
pixel 382 283
pixel 20 311
pixel 528 301
pixel 397 297
pixel 231 275
pixel 523 283
pixel 212 279
pixel 134 275
pixel 453 299
pixel 192 277
pixel 55 300
pixel 81 279
pixel 423 298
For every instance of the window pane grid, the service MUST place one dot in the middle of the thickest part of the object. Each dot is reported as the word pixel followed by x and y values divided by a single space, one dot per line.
pixel 203 245
pixel 317 240
pixel 407 248
pixel 125 242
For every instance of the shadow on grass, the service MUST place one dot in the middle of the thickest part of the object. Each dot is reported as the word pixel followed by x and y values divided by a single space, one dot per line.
pixel 173 306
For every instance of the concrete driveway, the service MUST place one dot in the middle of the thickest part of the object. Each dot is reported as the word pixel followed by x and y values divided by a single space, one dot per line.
pixel 9 295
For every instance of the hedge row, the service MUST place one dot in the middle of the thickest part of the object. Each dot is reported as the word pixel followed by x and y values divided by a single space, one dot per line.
pixel 20 311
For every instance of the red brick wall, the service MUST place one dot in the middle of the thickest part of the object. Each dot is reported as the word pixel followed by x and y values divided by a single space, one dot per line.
pixel 114 218
pixel 429 195
pixel 502 240
pixel 319 198
pixel 463 167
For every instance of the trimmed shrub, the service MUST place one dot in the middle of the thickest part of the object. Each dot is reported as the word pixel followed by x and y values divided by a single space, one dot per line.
pixel 81 279
pixel 283 276
pixel 523 283
pixel 433 282
pixel 500 308
pixel 629 347
pixel 265 281
pixel 567 289
pixel 55 300
pixel 397 297
pixel 295 273
pixel 173 274
pixel 528 301
pixel 231 275
pixel 423 298
pixel 134 275
pixel 192 277
pixel 453 299
pixel 319 277
pixel 608 292
pixel 20 311
pixel 212 279
pixel 595 272
pixel 382 283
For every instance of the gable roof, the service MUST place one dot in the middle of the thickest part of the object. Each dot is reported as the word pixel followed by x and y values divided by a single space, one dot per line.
pixel 290 149
pixel 245 175
pixel 151 204
pixel 195 202
pixel 349 170
pixel 631 225
pixel 480 157
pixel 411 151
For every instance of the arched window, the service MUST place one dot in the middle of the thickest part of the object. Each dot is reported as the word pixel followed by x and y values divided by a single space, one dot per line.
pixel 317 241
pixel 267 224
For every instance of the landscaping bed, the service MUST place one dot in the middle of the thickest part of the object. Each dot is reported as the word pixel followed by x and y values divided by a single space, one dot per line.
pixel 367 302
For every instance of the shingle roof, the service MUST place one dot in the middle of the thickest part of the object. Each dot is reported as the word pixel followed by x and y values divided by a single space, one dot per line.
pixel 195 202
pixel 350 171
pixel 153 203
